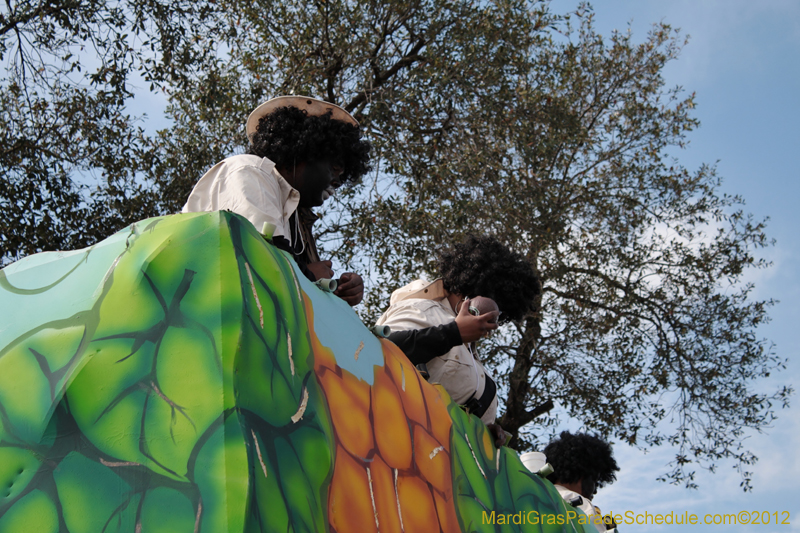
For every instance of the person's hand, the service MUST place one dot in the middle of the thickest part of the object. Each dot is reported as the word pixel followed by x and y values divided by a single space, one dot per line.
pixel 501 436
pixel 473 327
pixel 321 269
pixel 351 288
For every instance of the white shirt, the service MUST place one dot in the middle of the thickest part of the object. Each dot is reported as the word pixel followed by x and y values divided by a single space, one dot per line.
pixel 587 507
pixel 250 186
pixel 422 304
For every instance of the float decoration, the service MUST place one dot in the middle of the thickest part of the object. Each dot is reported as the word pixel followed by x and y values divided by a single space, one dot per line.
pixel 182 375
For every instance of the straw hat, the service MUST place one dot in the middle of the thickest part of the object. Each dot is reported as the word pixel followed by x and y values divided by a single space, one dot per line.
pixel 312 106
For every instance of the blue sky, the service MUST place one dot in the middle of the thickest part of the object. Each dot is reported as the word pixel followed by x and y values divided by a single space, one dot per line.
pixel 743 61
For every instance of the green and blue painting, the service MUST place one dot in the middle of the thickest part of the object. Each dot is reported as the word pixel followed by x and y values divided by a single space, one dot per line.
pixel 183 376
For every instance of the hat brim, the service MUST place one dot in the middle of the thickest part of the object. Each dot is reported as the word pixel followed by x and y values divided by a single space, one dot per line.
pixel 312 106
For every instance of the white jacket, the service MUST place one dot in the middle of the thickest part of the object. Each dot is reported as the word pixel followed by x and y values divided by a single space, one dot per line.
pixel 250 186
pixel 586 506
pixel 422 304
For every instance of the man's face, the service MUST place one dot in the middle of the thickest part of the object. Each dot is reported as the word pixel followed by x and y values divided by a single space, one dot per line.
pixel 588 487
pixel 316 181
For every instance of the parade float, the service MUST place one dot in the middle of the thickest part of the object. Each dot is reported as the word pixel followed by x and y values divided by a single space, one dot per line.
pixel 182 375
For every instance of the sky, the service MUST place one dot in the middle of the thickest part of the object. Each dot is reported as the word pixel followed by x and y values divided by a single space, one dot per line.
pixel 743 62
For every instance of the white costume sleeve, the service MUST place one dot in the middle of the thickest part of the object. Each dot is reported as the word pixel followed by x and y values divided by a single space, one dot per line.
pixel 245 189
pixel 406 315
pixel 249 191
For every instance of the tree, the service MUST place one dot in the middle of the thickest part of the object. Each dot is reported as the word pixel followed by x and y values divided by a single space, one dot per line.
pixel 646 331
pixel 501 117
pixel 399 67
pixel 69 152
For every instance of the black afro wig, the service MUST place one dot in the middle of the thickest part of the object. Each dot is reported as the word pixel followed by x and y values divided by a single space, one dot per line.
pixel 581 456
pixel 289 135
pixel 483 266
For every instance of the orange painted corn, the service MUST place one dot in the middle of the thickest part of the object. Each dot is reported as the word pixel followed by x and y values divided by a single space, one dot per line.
pixel 392 471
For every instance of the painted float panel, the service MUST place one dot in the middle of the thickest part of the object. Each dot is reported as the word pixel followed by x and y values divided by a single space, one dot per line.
pixel 183 375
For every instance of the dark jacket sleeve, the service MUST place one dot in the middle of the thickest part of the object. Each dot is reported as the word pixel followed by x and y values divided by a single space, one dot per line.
pixel 281 242
pixel 422 345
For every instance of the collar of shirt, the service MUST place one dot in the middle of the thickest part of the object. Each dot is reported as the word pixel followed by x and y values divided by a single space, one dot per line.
pixel 290 197
pixel 423 290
